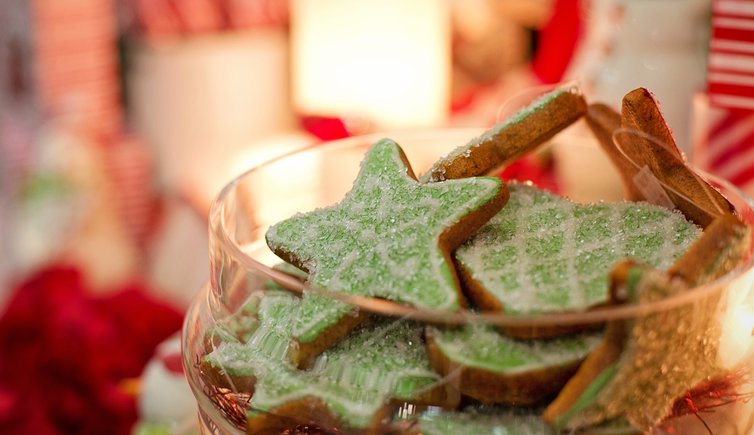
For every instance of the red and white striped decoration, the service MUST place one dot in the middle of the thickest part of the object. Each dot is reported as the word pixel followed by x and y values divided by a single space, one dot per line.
pixel 76 61
pixel 729 150
pixel 164 18
pixel 129 167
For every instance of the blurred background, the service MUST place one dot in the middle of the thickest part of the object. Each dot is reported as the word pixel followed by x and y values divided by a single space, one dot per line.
pixel 120 120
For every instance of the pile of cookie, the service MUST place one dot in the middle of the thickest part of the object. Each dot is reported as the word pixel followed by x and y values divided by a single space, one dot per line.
pixel 457 240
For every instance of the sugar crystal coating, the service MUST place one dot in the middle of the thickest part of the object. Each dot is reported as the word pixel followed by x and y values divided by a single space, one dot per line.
pixel 383 360
pixel 480 346
pixel 381 240
pixel 544 253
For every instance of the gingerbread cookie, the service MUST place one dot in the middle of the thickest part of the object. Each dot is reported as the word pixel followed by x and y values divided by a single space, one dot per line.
pixel 624 369
pixel 513 137
pixel 347 387
pixel 495 369
pixel 390 238
pixel 649 161
pixel 543 253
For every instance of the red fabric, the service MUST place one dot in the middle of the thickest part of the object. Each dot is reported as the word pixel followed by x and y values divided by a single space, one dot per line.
pixel 558 39
pixel 65 354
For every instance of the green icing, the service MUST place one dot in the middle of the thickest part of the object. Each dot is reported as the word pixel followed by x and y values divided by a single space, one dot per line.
pixel 385 359
pixel 269 340
pixel 480 346
pixel 381 240
pixel 544 253
pixel 589 395
pixel 481 422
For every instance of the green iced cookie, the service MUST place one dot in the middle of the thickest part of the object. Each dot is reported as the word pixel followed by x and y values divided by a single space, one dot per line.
pixel 512 137
pixel 494 368
pixel 352 381
pixel 390 237
pixel 543 253
pixel 620 379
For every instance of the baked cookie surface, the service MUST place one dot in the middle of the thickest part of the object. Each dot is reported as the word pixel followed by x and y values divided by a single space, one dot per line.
pixel 497 369
pixel 352 381
pixel 390 238
pixel 543 253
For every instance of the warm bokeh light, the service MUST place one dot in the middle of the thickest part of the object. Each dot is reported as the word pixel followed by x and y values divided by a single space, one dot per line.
pixel 387 61
pixel 737 340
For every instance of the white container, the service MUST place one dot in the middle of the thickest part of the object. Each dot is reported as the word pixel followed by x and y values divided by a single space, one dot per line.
pixel 659 45
pixel 202 100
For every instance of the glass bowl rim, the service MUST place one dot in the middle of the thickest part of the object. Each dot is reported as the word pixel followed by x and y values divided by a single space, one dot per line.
pixel 394 309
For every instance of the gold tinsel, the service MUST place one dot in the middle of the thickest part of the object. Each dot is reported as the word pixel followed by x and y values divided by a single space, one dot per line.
pixel 666 355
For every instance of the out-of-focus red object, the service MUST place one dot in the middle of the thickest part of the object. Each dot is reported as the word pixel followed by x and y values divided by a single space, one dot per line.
pixel 539 171
pixel 558 40
pixel 325 128
pixel 67 355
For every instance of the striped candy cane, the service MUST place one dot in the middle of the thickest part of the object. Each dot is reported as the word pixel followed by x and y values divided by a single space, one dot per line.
pixel 729 150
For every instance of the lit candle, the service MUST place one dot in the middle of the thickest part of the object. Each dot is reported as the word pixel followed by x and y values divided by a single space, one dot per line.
pixel 387 61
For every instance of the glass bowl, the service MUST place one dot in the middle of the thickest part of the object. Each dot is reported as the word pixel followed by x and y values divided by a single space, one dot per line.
pixel 241 268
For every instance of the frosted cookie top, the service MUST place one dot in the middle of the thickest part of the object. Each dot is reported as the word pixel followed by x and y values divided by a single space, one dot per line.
pixel 482 347
pixel 383 360
pixel 543 253
pixel 382 240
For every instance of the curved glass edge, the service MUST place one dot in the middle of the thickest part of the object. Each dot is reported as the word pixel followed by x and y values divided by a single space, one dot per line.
pixel 229 263
pixel 210 418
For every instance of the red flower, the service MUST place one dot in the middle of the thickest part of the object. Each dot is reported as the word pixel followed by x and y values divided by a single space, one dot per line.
pixel 65 354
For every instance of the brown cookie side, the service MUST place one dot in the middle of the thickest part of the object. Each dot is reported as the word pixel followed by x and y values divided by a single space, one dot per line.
pixel 646 140
pixel 486 302
pixel 603 121
pixel 511 139
pixel 301 354
pixel 313 415
pixel 489 387
pixel 722 246
pixel 455 235
pixel 641 112
pixel 605 355
pixel 718 251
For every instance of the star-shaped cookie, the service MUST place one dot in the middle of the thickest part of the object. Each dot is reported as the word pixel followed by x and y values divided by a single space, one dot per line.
pixel 390 237
pixel 349 385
